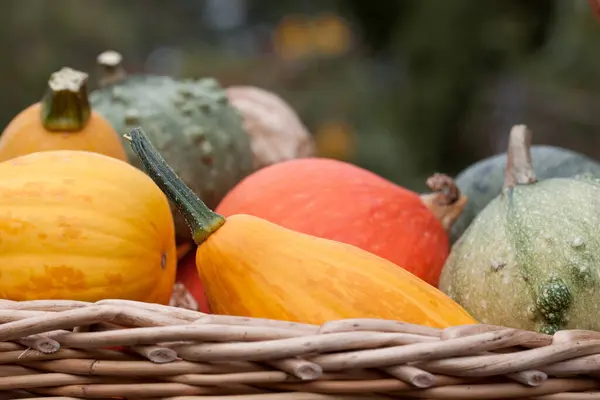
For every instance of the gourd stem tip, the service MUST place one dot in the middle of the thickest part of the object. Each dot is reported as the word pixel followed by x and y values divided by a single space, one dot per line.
pixel 446 201
pixel 519 166
pixel 111 68
pixel 65 106
pixel 202 221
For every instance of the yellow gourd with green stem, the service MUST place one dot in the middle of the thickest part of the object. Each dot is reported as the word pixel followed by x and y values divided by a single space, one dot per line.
pixel 254 268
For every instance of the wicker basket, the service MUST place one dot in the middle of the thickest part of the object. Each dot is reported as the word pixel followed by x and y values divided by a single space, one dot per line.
pixel 66 350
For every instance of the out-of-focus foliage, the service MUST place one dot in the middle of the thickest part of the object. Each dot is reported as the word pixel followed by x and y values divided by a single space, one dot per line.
pixel 404 88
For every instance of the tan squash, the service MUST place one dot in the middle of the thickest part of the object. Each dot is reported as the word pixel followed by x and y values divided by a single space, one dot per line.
pixel 276 132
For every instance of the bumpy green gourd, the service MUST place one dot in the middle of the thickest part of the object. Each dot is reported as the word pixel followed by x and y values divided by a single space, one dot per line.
pixel 482 181
pixel 531 258
pixel 190 122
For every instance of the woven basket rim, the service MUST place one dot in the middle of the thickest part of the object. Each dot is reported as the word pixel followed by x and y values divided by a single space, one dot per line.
pixel 78 350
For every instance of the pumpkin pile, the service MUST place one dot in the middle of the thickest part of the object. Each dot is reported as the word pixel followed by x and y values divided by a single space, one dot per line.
pixel 151 183
pixel 527 260
pixel 256 268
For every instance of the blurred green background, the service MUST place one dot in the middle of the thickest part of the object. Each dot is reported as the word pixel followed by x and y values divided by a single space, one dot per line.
pixel 404 88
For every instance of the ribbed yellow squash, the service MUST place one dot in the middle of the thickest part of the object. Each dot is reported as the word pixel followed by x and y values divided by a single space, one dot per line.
pixel 83 226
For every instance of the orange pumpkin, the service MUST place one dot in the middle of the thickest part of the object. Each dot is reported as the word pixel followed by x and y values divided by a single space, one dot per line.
pixel 83 226
pixel 63 120
pixel 388 220
pixel 255 268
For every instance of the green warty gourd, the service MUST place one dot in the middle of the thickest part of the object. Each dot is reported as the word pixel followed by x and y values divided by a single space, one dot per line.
pixel 189 121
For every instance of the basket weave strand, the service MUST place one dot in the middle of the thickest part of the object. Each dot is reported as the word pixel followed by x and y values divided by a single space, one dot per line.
pixel 130 350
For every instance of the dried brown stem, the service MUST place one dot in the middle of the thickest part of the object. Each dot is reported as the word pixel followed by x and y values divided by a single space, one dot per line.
pixel 519 168
pixel 446 202
pixel 111 68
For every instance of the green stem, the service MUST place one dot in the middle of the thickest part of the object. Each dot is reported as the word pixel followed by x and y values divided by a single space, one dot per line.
pixel 65 106
pixel 202 221
pixel 519 167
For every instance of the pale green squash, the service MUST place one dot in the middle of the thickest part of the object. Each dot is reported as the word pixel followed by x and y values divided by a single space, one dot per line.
pixel 531 258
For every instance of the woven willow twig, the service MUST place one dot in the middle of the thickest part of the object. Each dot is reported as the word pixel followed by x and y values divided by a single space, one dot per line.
pixel 129 350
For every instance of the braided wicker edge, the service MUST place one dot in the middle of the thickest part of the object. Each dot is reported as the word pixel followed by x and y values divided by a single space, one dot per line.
pixel 66 349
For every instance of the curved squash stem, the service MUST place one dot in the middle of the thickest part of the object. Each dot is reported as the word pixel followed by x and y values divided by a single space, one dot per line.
pixel 111 68
pixel 446 202
pixel 202 221
pixel 519 168
pixel 65 106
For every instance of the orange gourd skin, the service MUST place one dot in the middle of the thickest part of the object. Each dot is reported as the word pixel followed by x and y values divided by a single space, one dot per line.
pixel 342 202
pixel 83 226
pixel 25 134
pixel 251 267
